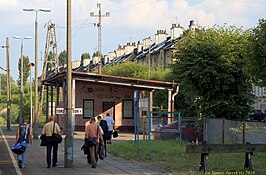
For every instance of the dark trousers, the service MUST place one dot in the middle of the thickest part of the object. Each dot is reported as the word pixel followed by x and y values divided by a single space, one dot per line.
pixel 51 146
pixel 93 155
pixel 109 135
pixel 104 141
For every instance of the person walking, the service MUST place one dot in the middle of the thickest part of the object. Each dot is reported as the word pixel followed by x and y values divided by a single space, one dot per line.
pixel 110 122
pixel 93 137
pixel 48 129
pixel 104 126
pixel 24 133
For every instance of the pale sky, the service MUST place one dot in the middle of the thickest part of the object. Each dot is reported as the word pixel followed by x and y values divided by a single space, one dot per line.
pixel 130 20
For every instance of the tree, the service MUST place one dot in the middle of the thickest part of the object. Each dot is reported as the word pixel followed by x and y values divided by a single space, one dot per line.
pixel 15 100
pixel 62 58
pixel 210 71
pixel 50 58
pixel 137 70
pixel 128 69
pixel 85 55
pixel 257 58
pixel 26 70
pixel 95 54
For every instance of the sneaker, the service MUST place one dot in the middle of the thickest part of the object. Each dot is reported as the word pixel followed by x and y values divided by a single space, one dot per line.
pixel 20 163
pixel 54 165
pixel 93 166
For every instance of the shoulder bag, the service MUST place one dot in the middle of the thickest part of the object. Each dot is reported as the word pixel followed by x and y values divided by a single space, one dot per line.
pixel 19 147
pixel 43 140
pixel 92 141
pixel 56 138
pixel 115 134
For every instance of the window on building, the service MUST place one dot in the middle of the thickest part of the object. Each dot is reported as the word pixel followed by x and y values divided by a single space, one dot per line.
pixel 127 108
pixel 88 108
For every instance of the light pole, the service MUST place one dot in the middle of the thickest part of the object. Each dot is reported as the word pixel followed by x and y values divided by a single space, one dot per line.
pixel 30 65
pixel 36 10
pixel 21 74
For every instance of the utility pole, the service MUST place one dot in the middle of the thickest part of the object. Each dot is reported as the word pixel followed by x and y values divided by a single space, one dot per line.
pixel 8 86
pixel 149 62
pixel 0 86
pixel 68 160
pixel 99 25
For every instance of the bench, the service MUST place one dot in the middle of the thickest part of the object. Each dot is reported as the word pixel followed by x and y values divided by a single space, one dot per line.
pixel 205 149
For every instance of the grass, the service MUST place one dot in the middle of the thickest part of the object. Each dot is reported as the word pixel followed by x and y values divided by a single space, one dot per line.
pixel 170 157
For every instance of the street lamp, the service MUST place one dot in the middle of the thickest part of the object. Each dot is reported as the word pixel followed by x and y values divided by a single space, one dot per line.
pixel 36 10
pixel 30 65
pixel 21 73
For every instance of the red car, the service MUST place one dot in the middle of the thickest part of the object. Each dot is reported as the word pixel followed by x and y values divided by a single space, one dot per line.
pixel 189 126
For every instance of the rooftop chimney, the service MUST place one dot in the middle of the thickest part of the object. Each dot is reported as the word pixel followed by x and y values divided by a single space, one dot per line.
pixel 147 42
pixel 192 25
pixel 129 48
pixel 139 47
pixel 160 36
pixel 176 31
pixel 75 64
pixel 86 62
pixel 111 55
pixel 120 51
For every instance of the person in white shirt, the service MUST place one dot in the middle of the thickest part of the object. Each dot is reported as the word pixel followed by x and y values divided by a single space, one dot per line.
pixel 110 123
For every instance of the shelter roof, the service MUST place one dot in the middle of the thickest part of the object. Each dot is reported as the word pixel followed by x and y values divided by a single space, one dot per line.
pixel 110 80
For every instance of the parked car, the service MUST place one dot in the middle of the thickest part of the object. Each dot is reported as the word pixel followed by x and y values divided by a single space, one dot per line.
pixel 257 115
pixel 189 126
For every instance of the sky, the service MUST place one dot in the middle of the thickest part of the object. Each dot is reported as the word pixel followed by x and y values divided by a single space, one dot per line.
pixel 129 21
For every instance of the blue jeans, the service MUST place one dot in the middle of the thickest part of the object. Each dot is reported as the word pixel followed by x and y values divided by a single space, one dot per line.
pixel 22 158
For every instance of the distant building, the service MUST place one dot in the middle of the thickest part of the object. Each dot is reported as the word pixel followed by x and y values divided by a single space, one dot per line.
pixel 98 94
pixel 260 103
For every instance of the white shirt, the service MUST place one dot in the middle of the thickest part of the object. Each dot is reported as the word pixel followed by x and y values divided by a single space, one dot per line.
pixel 110 122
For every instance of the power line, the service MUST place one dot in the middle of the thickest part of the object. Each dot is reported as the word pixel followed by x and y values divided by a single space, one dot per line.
pixel 2 68
pixel 134 4
pixel 85 22
pixel 112 5
pixel 99 25
pixel 85 38
pixel 73 35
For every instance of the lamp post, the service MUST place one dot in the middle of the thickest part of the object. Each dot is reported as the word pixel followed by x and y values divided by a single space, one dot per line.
pixel 36 10
pixel 30 65
pixel 21 73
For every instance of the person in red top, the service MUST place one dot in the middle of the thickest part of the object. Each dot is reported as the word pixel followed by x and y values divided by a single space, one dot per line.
pixel 93 131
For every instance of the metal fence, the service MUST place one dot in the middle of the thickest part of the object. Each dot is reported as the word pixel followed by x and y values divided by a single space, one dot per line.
pixel 219 131
pixel 158 119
